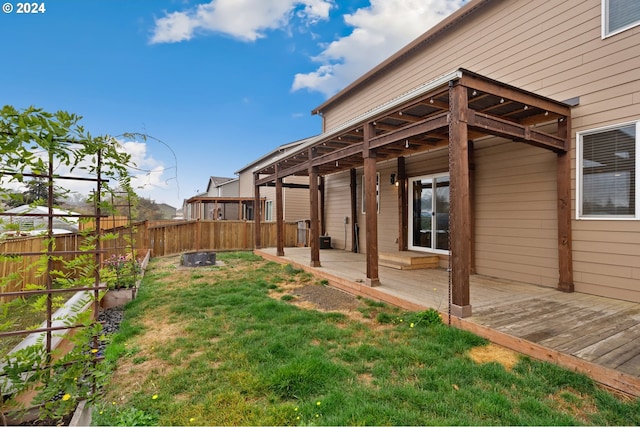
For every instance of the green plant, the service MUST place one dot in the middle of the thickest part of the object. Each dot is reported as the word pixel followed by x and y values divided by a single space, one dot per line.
pixel 112 415
pixel 59 378
pixel 121 271
pixel 427 317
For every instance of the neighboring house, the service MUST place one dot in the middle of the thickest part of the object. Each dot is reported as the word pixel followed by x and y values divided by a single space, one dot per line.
pixel 295 194
pixel 223 187
pixel 27 219
pixel 506 136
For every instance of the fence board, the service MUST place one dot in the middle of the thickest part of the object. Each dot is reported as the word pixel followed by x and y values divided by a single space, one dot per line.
pixel 161 238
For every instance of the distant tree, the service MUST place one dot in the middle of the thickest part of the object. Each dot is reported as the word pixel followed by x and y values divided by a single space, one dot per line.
pixel 37 192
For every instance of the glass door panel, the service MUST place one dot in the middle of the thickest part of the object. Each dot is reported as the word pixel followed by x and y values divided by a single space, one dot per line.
pixel 422 213
pixel 442 213
pixel 429 210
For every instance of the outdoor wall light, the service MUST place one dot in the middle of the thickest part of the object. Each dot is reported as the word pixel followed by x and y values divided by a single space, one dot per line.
pixel 392 179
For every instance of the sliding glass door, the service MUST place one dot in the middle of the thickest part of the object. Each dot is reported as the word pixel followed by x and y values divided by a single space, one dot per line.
pixel 429 213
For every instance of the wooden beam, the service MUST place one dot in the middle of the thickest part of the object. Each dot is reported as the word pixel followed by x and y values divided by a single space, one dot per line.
pixel 460 205
pixel 512 93
pixel 514 131
pixel 403 205
pixel 323 224
pixel 289 185
pixel 256 213
pixel 354 211
pixel 565 258
pixel 337 155
pixel 315 220
pixel 264 180
pixel 432 123
pixel 472 204
pixel 370 175
pixel 279 218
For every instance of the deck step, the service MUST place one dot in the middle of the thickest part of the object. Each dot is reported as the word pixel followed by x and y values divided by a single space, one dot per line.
pixel 408 260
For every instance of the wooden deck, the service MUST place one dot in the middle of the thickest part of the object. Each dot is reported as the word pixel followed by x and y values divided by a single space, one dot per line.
pixel 594 335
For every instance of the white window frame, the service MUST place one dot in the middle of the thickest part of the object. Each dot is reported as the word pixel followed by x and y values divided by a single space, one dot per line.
pixel 579 184
pixel 268 210
pixel 605 22
pixel 364 204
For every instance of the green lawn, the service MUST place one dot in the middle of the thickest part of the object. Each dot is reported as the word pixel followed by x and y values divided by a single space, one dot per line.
pixel 229 345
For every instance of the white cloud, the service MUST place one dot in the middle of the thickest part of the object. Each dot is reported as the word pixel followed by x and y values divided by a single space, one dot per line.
pixel 378 31
pixel 242 19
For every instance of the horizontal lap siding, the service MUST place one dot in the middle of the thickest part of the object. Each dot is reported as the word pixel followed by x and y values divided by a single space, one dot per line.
pixel 554 49
pixel 337 207
pixel 296 200
pixel 515 212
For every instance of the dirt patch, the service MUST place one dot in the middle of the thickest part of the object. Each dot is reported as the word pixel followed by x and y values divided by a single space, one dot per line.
pixel 494 353
pixel 579 405
pixel 326 298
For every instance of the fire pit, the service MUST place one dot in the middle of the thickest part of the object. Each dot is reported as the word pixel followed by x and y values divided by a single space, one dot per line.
pixel 198 259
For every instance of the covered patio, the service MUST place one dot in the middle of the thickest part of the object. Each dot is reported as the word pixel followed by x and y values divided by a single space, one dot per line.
pixel 590 334
pixel 450 111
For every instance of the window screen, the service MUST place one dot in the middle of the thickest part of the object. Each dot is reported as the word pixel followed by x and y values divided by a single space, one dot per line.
pixel 608 173
pixel 620 14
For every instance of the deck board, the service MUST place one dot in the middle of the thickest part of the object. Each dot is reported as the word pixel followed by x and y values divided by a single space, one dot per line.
pixel 593 329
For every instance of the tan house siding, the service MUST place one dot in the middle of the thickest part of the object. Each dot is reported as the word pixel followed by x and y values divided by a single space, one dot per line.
pixel 296 200
pixel 516 212
pixel 337 207
pixel 246 184
pixel 553 48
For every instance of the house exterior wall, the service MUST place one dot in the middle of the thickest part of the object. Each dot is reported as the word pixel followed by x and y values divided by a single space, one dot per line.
pixel 554 49
pixel 296 200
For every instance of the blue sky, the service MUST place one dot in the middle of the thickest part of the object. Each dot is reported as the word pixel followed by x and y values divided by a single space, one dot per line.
pixel 219 82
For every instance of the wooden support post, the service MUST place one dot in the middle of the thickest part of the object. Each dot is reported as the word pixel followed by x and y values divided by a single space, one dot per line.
pixel 354 210
pixel 323 224
pixel 403 205
pixel 472 204
pixel 315 220
pixel 279 218
pixel 460 204
pixel 370 175
pixel 256 214
pixel 565 258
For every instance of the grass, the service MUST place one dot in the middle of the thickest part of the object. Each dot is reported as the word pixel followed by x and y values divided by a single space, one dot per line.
pixel 224 347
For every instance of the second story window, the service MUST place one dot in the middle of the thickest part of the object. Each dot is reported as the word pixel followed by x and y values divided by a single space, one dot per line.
pixel 619 15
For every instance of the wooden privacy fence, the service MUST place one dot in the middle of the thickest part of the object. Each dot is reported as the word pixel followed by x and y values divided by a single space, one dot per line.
pixel 221 235
pixel 164 239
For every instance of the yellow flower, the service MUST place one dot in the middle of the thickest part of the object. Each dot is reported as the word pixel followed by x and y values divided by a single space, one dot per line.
pixel 297 418
pixel 411 325
pixel 101 412
pixel 113 403
pixel 66 397
pixel 191 420
pixel 318 403
pixel 296 409
pixel 154 397
pixel 94 350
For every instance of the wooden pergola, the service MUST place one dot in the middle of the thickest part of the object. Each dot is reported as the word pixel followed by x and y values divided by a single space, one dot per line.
pixel 219 208
pixel 450 111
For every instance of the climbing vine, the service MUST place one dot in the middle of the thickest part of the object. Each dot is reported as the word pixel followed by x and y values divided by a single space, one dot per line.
pixel 55 147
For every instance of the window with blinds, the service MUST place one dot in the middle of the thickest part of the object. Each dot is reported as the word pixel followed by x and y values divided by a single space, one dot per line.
pixel 607 169
pixel 619 15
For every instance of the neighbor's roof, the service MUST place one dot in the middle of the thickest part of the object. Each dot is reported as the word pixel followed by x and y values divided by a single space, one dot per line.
pixel 269 155
pixel 436 31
